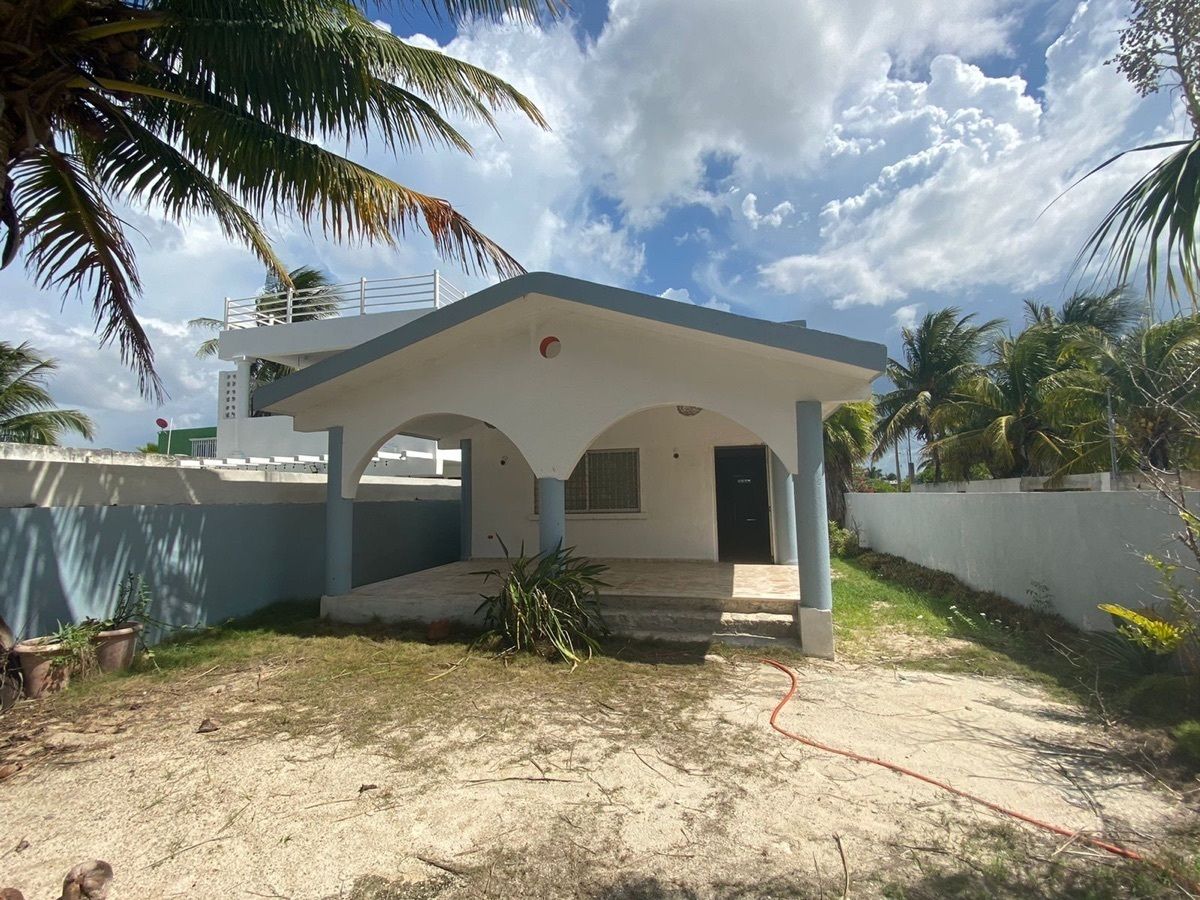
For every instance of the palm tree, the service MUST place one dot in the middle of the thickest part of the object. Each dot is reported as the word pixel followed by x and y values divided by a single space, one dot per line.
pixel 1111 313
pixel 940 354
pixel 1001 416
pixel 1148 379
pixel 27 413
pixel 849 438
pixel 226 110
pixel 313 299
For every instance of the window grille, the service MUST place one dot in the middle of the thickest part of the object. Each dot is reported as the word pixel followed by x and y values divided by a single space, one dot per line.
pixel 206 447
pixel 604 481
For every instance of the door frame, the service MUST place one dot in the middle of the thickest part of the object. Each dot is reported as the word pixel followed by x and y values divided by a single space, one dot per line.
pixel 766 451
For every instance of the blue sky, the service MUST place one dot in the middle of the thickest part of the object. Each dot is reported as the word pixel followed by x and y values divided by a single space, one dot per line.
pixel 853 164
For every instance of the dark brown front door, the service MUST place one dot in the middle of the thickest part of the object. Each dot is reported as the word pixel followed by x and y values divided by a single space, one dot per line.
pixel 743 508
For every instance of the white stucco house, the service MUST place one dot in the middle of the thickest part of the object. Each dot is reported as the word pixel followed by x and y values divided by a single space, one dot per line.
pixel 681 444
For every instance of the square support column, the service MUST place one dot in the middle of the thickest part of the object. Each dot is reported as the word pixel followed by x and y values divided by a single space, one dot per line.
pixel 241 402
pixel 339 523
pixel 552 514
pixel 464 508
pixel 783 512
pixel 815 614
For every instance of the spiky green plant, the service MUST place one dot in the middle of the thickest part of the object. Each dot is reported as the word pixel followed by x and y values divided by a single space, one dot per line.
pixel 548 604
pixel 27 413
pixel 228 109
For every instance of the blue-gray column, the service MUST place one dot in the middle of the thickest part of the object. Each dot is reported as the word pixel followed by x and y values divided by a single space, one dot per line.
pixel 464 509
pixel 339 523
pixel 552 514
pixel 812 520
pixel 783 512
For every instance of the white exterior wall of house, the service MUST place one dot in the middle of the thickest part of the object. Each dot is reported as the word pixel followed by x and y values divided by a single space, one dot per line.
pixel 678 496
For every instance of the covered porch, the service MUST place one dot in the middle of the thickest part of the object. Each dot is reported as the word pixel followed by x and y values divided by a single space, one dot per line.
pixel 532 376
pixel 680 600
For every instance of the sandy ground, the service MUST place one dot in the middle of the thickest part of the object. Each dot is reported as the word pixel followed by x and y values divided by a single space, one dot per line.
pixel 560 802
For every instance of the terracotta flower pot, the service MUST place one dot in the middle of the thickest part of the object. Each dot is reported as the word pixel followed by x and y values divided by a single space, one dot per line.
pixel 10 692
pixel 115 647
pixel 44 666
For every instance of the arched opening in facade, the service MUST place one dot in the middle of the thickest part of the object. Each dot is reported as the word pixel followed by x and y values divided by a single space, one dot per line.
pixel 672 481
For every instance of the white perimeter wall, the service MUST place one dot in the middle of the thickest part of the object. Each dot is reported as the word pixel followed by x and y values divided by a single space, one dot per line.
pixel 1085 547
pixel 678 517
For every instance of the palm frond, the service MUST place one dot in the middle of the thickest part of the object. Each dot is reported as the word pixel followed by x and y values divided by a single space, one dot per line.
pixel 131 162
pixel 27 412
pixel 1153 224
pixel 77 245
pixel 271 171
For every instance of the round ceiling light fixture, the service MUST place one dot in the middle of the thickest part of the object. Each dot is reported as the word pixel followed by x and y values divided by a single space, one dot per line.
pixel 689 410
pixel 550 347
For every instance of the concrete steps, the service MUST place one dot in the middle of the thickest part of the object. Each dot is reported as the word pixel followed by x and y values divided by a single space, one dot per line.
pixel 692 625
pixel 637 602
pixel 751 621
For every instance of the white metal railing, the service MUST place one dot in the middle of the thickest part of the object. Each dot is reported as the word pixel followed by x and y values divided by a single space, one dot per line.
pixel 204 446
pixel 351 298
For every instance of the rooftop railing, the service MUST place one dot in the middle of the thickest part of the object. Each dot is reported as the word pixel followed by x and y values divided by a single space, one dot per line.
pixel 351 298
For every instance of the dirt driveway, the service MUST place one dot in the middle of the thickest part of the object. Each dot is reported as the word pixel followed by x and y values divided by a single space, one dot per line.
pixel 505 782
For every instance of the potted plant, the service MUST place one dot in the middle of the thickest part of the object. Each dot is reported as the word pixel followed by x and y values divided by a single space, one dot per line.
pixel 46 662
pixel 115 638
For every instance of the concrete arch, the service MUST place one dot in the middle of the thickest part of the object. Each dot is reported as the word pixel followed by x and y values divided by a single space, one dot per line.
pixel 777 444
pixel 361 443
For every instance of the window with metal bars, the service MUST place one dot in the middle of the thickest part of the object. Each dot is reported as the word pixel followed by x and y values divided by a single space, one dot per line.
pixel 604 481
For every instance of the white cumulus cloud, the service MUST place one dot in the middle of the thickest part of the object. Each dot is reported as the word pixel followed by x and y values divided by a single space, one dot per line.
pixel 773 219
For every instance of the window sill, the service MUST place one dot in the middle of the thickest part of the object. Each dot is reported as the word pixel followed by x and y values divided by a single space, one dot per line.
pixel 597 517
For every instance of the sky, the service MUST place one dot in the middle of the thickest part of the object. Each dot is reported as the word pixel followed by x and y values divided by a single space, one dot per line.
pixel 855 165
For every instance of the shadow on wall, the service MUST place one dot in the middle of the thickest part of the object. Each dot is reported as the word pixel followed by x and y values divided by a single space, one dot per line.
pixel 203 564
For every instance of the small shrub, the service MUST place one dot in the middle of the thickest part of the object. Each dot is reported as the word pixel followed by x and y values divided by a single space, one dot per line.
pixel 1187 739
pixel 1147 629
pixel 843 542
pixel 1122 656
pixel 1162 698
pixel 548 604
pixel 76 640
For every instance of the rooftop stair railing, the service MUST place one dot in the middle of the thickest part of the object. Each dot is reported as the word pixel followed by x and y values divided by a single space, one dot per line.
pixel 350 298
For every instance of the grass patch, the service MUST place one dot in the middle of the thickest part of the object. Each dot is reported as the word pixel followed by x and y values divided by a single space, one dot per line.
pixel 887 609
pixel 1002 860
pixel 292 674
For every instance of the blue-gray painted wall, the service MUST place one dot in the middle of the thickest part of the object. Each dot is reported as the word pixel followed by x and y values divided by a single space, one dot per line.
pixel 204 564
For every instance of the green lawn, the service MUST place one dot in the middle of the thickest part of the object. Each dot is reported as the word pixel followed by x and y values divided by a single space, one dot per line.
pixel 887 610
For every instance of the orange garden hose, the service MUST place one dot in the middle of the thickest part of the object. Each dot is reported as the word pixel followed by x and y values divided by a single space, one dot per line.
pixel 850 754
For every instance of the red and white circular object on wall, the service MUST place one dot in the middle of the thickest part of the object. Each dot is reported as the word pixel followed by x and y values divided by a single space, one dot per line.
pixel 550 347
